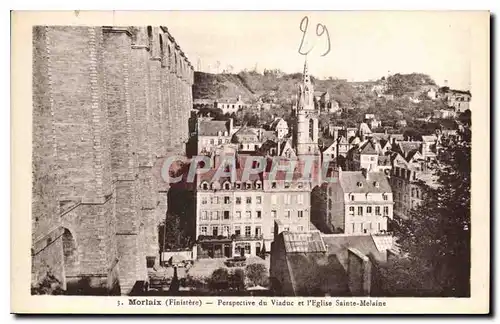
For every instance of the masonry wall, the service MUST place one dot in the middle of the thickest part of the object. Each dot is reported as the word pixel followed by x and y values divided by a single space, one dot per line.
pixel 358 273
pixel 102 117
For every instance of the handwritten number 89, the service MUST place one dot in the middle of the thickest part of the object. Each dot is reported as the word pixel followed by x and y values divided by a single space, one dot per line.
pixel 320 30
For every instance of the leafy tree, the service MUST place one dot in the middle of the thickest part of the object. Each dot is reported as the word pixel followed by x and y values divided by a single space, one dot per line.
pixel 257 274
pixel 237 280
pixel 219 280
pixel 435 241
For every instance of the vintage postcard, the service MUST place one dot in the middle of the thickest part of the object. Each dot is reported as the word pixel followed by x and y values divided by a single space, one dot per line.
pixel 260 162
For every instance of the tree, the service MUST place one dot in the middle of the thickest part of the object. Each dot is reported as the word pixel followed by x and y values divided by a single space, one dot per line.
pixel 219 279
pixel 257 274
pixel 435 241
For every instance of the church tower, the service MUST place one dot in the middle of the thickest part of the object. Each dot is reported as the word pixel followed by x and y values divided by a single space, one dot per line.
pixel 306 128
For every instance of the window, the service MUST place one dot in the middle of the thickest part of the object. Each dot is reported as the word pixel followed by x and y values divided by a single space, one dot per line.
pixel 300 199
pixel 351 211
pixel 248 231
pixel 237 231
pixel 238 214
pixel 215 200
pixel 215 215
pixel 258 185
pixel 248 214
pixel 238 185
pixel 259 214
pixel 204 200
pixel 273 185
pixel 300 228
pixel 273 213
pixel 352 197
pixel 258 199
pixel 204 215
pixel 288 199
pixel 225 230
pixel 417 192
pixel 215 230
pixel 330 204
pixel 300 185
pixel 287 185
pixel 203 230
pixel 412 192
pixel 386 210
pixel 219 141
pixel 300 213
pixel 258 231
pixel 286 228
pixel 227 186
pixel 360 210
pixel 249 185
pixel 247 248
pixel 249 200
pixel 359 184
pixel 273 199
pixel 384 196
pixel 288 213
pixel 227 200
pixel 369 209
pixel 238 200
pixel 226 214
pixel 377 211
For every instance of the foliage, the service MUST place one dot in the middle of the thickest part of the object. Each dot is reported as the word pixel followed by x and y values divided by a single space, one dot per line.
pixel 49 285
pixel 401 84
pixel 436 239
pixel 219 280
pixel 257 274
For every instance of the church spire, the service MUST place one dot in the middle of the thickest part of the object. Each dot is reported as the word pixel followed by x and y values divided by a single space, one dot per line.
pixel 305 75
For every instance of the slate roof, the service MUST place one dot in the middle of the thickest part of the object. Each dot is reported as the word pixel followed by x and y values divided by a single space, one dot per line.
pixel 212 127
pixel 407 148
pixel 318 263
pixel 349 182
pixel 303 242
pixel 368 148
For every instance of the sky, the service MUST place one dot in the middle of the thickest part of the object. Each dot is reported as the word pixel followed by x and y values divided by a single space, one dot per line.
pixel 363 45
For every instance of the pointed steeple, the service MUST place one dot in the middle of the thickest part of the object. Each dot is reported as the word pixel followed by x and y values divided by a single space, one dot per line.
pixel 305 76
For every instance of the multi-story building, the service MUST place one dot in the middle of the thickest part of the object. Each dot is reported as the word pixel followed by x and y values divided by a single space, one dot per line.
pixel 359 202
pixel 236 216
pixel 108 104
pixel 212 133
pixel 230 106
pixel 408 186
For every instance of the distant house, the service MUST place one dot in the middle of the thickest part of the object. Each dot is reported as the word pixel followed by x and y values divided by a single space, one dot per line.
pixel 212 133
pixel 229 106
pixel 279 126
pixel 246 139
pixel 457 99
pixel 401 123
pixel 316 264
pixel 444 113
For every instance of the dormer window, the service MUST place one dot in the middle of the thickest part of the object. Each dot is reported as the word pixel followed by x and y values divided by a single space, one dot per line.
pixel 287 185
pixel 204 186
pixel 352 197
pixel 300 185
pixel 238 185
pixel 376 184
pixel 258 184
pixel 249 185
pixel 227 186
pixel 359 184
pixel 273 185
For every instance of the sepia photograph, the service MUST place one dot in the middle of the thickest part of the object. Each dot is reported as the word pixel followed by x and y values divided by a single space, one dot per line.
pixel 258 156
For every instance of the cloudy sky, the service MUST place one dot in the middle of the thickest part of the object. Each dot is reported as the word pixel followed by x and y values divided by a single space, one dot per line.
pixel 364 45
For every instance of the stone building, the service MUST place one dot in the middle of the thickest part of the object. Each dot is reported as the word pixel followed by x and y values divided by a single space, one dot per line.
pixel 108 104
pixel 359 202
pixel 235 212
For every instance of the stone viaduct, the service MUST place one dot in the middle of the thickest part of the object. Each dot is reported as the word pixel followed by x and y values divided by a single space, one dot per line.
pixel 108 104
